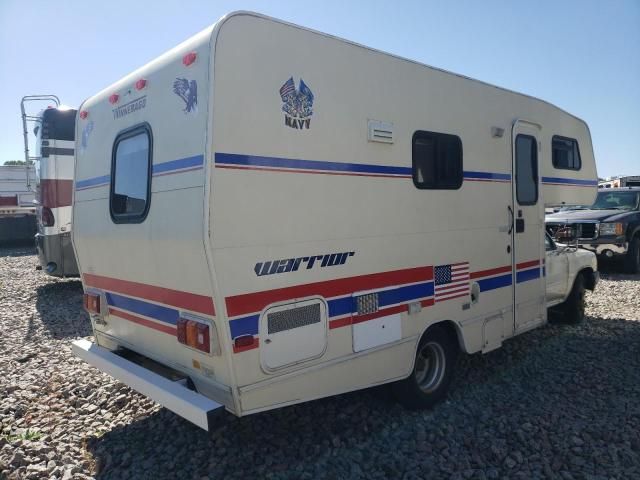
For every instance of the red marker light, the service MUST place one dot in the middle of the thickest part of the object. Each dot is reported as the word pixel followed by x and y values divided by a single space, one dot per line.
pixel 84 114
pixel 91 302
pixel 244 341
pixel 189 58
pixel 114 98
pixel 140 84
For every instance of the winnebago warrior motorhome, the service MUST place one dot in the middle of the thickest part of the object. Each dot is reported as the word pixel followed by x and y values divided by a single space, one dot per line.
pixel 276 215
pixel 54 128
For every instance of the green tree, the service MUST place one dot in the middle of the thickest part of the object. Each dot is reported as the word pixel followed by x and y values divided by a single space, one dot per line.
pixel 16 162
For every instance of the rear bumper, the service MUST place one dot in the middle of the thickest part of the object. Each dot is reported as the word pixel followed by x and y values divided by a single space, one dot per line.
pixel 175 396
pixel 56 256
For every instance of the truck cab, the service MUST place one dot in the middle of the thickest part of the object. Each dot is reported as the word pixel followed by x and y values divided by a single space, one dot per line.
pixel 610 227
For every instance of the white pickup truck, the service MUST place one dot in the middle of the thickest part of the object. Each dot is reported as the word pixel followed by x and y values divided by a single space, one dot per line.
pixel 569 271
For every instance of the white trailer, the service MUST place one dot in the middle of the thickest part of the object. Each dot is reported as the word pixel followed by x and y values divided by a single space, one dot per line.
pixel 276 215
pixel 54 130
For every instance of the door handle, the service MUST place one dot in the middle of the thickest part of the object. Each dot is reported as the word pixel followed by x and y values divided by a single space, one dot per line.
pixel 510 226
pixel 519 225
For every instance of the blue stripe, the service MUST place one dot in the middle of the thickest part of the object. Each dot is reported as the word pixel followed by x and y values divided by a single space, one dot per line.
pixel 487 175
pixel 495 282
pixel 291 163
pixel 244 326
pixel 340 306
pixel 405 294
pixel 195 161
pixel 157 312
pixel 91 182
pixel 158 168
pixel 526 275
pixel 277 162
pixel 569 181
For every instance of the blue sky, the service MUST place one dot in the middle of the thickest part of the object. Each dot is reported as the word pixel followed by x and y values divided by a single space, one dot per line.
pixel 582 55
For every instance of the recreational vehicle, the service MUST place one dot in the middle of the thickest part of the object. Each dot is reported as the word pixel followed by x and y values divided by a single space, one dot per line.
pixel 54 129
pixel 267 215
pixel 17 211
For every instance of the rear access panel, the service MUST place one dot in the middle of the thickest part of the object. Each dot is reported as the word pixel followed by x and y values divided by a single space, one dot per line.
pixel 293 333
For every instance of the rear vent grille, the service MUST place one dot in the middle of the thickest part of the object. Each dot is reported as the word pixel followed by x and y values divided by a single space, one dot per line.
pixel 380 131
pixel 367 303
pixel 293 318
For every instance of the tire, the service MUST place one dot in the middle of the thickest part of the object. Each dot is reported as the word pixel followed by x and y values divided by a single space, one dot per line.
pixel 432 372
pixel 632 260
pixel 574 306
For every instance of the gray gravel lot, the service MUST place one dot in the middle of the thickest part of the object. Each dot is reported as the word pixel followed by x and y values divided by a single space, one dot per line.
pixel 558 402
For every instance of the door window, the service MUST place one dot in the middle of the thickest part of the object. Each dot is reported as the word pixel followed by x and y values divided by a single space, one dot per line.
pixel 526 170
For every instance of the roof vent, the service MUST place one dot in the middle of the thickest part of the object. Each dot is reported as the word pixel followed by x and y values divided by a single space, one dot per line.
pixel 380 131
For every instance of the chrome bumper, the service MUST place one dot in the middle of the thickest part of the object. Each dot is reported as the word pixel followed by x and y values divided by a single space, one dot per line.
pixel 608 250
pixel 175 396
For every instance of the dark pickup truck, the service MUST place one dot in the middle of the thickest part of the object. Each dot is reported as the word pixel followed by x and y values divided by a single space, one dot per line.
pixel 610 227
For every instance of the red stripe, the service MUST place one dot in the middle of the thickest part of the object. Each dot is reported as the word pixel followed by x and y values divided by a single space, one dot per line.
pixel 451 298
pixel 449 287
pixel 322 172
pixel 254 302
pixel 176 298
pixel 341 322
pixel 429 302
pixel 255 344
pixel 142 321
pixel 530 263
pixel 379 313
pixel 55 193
pixel 486 180
pixel 491 271
pixel 458 288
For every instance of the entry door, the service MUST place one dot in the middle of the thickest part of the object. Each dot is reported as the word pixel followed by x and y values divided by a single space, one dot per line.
pixel 528 228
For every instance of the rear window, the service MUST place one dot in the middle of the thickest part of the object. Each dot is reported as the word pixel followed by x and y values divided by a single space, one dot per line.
pixel 130 175
pixel 565 153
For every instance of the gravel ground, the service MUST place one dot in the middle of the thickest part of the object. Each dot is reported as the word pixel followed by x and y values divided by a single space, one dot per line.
pixel 558 402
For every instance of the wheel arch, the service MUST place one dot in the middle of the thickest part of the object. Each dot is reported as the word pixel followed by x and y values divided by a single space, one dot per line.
pixel 451 328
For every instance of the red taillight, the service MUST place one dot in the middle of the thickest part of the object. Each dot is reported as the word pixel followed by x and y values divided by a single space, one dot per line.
pixel 84 114
pixel 140 84
pixel 189 58
pixel 244 341
pixel 47 218
pixel 194 334
pixel 114 98
pixel 91 302
pixel 182 330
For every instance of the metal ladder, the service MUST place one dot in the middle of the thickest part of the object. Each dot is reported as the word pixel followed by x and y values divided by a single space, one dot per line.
pixel 36 119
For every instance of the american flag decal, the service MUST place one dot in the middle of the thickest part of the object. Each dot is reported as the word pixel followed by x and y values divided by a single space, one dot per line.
pixel 451 281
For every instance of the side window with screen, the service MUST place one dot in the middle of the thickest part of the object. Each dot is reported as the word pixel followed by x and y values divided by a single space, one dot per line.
pixel 436 161
pixel 130 175
pixel 565 153
pixel 526 170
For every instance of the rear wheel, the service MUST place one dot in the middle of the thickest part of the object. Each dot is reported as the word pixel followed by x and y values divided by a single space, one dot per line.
pixel 574 305
pixel 432 372
pixel 632 261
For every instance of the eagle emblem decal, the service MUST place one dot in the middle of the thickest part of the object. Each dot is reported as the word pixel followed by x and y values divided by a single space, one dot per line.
pixel 187 90
pixel 297 104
